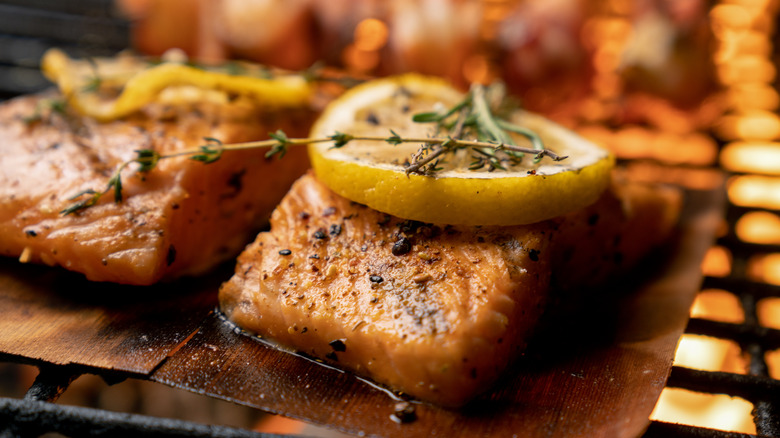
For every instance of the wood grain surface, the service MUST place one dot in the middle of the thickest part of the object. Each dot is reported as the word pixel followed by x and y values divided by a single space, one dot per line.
pixel 58 317
pixel 593 372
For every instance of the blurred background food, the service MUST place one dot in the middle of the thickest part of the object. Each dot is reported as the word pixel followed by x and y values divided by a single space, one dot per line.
pixel 550 52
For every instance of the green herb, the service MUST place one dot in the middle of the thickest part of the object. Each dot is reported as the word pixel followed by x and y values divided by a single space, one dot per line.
pixel 474 117
pixel 93 85
pixel 492 146
pixel 44 108
pixel 210 152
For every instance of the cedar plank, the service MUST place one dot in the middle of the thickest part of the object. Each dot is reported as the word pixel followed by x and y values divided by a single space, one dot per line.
pixel 56 316
pixel 596 373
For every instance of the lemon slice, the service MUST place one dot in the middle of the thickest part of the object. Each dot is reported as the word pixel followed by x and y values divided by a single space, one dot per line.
pixel 373 172
pixel 112 88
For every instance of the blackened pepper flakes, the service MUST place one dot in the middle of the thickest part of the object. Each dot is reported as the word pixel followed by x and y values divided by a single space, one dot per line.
pixel 285 252
pixel 335 230
pixel 402 246
pixel 338 345
pixel 320 234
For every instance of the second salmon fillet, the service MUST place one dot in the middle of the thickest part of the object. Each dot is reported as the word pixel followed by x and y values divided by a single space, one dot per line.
pixel 435 311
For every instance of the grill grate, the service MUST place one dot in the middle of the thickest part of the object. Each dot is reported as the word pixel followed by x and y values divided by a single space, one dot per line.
pixel 29 27
pixel 754 339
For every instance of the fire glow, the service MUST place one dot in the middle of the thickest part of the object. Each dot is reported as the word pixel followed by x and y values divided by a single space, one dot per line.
pixel 742 30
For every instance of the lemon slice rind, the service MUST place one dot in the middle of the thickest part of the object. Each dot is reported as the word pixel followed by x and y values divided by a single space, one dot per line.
pixel 142 83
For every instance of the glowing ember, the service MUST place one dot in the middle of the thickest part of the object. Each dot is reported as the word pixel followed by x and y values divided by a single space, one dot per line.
pixel 753 96
pixel 747 69
pixel 765 268
pixel 717 262
pixel 755 191
pixel 750 124
pixel 752 156
pixel 773 361
pixel 742 56
pixel 709 354
pixel 759 227
pixel 704 410
pixel 718 305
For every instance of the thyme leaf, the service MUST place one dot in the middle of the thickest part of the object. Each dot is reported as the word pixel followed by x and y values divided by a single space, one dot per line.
pixel 210 152
pixel 147 158
pixel 340 139
pixel 280 147
pixel 394 139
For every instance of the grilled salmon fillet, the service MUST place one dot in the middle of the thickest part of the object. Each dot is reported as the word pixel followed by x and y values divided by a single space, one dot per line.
pixel 435 311
pixel 182 218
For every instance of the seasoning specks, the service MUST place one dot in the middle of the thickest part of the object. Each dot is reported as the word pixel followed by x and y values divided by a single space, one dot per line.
pixel 338 345
pixel 285 252
pixel 402 246
pixel 320 234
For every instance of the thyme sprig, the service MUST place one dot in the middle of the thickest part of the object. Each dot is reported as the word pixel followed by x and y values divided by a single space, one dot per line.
pixel 474 116
pixel 278 145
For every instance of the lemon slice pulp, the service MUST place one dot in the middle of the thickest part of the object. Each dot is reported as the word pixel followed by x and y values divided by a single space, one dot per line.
pixel 373 173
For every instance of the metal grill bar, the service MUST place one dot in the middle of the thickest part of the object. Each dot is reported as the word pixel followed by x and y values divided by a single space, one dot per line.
pixel 33 418
pixel 51 382
pixel 742 286
pixel 753 388
pixel 746 248
pixel 753 338
pixel 28 28
pixel 743 334
pixel 64 28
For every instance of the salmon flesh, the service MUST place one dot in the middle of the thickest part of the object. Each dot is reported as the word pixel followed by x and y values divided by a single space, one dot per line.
pixel 181 218
pixel 434 311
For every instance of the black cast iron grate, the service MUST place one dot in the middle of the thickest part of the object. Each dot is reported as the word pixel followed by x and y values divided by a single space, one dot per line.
pixel 92 27
pixel 753 339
